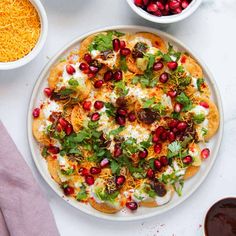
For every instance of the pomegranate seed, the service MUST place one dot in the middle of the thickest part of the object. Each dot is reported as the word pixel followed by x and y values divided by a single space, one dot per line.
pixel 95 116
pixel 157 148
pixel 205 153
pixel 83 66
pixel 164 136
pixel 167 8
pixel 63 122
pixel 159 130
pixel 171 136
pixel 120 180
pixel 68 190
pixel 164 160
pixel 145 2
pixel 116 45
pixel 160 6
pixel 155 138
pixel 172 65
pixel 164 77
pixel 150 173
pixel 120 120
pixel 143 154
pixel 104 162
pixel 173 124
pixel 204 104
pixel 132 206
pixel 122 111
pixel 131 116
pixel 88 58
pixel 70 69
pixel 157 13
pixel 98 84
pixel 122 44
pixel 54 149
pixel 125 51
pixel 175 130
pixel 93 69
pixel 157 164
pixel 157 66
pixel 138 3
pixel 152 7
pixel 178 107
pixel 89 179
pixel 117 150
pixel 187 160
pixel 165 12
pixel 182 126
pixel 47 92
pixel 98 105
pixel 87 105
pixel 108 76
pixel 95 170
pixel 36 112
pixel 83 171
pixel 59 127
pixel 184 4
pixel 118 75
pixel 172 93
pixel 177 10
pixel 174 4
pixel 69 129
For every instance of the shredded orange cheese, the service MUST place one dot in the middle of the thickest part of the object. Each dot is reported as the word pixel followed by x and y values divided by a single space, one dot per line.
pixel 19 29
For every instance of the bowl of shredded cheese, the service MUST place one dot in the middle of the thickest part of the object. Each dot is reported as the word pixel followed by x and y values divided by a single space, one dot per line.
pixel 23 31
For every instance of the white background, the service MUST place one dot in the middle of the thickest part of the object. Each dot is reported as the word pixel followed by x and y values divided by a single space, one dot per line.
pixel 211 32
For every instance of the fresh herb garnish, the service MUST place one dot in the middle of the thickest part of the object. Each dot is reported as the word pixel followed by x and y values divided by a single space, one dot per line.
pixel 123 64
pixel 174 149
pixel 73 82
pixel 199 118
pixel 66 92
pixel 116 131
pixel 200 82
pixel 82 194
pixel 121 88
pixel 110 109
pixel 185 101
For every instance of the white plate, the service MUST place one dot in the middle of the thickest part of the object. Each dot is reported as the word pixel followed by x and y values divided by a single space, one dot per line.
pixel 142 213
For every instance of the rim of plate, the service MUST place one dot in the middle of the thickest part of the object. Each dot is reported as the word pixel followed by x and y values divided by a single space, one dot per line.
pixel 167 207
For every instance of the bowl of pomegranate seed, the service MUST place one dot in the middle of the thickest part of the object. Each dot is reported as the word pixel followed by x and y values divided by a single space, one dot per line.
pixel 164 11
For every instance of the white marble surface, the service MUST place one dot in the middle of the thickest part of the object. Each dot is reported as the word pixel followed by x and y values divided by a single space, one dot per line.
pixel 211 32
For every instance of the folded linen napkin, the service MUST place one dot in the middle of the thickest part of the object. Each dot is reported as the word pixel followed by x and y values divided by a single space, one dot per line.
pixel 24 211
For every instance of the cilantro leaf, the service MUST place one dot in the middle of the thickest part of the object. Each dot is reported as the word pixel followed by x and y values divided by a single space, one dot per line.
pixel 110 109
pixel 121 87
pixel 174 149
pixel 73 82
pixel 115 167
pixel 66 92
pixel 149 102
pixel 116 131
pixel 82 194
pixel 123 64
pixel 199 118
pixel 102 42
pixel 200 82
pixel 185 101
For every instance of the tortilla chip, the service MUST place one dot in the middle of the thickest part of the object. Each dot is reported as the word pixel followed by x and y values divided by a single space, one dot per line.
pixel 77 118
pixel 191 171
pixel 55 74
pixel 53 168
pixel 103 207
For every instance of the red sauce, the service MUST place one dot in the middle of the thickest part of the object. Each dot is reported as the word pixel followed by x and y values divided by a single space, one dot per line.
pixel 221 218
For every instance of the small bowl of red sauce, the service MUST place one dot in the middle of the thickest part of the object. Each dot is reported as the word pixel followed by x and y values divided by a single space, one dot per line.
pixel 220 219
pixel 164 11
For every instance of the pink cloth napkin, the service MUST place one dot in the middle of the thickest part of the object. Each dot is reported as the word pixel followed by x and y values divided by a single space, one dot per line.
pixel 24 211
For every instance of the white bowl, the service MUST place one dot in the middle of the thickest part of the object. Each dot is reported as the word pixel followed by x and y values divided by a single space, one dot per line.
pixel 166 19
pixel 39 45
pixel 142 213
